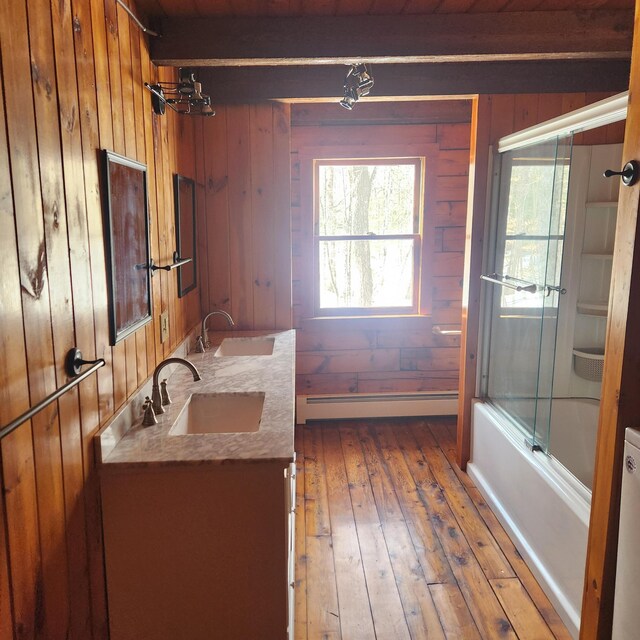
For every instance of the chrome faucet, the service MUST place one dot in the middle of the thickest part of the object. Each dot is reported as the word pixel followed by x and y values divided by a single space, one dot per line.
pixel 201 342
pixel 156 398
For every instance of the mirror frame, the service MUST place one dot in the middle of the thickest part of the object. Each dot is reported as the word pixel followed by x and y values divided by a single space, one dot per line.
pixel 182 241
pixel 132 182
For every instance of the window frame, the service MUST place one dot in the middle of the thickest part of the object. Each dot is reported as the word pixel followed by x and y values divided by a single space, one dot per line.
pixel 362 142
pixel 418 162
pixel 531 311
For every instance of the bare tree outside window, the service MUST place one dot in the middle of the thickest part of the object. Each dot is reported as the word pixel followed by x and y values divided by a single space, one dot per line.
pixel 367 233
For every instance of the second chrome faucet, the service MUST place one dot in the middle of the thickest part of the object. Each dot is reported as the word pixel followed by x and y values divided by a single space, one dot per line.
pixel 201 341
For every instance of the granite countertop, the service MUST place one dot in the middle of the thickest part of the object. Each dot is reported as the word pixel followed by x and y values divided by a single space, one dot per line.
pixel 272 375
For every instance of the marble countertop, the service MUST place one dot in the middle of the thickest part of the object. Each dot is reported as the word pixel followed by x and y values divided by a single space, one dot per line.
pixel 272 375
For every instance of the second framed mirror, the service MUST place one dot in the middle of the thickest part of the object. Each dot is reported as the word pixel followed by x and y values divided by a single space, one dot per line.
pixel 185 204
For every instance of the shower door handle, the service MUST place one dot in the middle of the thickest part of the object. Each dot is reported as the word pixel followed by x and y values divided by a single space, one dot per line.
pixel 552 287
pixel 509 282
pixel 629 173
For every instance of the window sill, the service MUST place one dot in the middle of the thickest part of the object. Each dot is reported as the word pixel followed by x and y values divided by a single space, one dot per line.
pixel 407 322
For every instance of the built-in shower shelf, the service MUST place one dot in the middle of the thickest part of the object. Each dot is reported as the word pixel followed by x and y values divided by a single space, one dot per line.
pixel 592 308
pixel 588 363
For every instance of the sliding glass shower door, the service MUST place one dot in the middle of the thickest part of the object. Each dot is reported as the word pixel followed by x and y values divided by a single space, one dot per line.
pixel 524 284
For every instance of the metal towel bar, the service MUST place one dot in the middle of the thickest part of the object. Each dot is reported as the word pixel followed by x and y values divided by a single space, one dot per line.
pixel 503 281
pixel 14 424
pixel 445 332
pixel 529 287
pixel 177 262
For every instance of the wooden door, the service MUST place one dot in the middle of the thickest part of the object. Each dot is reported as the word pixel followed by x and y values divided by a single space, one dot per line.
pixel 620 404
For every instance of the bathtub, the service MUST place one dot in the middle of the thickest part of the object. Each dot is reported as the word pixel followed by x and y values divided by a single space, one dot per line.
pixel 572 441
pixel 543 507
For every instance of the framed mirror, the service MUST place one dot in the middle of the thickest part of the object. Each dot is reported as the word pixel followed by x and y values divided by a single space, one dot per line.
pixel 185 203
pixel 126 231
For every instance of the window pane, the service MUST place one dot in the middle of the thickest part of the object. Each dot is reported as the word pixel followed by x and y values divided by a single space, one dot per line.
pixel 366 273
pixel 530 193
pixel 525 260
pixel 359 199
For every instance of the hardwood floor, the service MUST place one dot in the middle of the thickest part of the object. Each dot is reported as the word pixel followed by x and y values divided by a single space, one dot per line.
pixel 394 542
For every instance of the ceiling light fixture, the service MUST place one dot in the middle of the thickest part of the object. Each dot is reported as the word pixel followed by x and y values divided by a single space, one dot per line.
pixel 357 84
pixel 184 96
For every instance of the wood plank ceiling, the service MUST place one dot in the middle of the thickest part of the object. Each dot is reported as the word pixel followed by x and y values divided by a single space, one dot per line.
pixel 298 8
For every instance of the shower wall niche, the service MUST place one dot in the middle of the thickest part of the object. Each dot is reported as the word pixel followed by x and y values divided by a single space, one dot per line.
pixel 586 273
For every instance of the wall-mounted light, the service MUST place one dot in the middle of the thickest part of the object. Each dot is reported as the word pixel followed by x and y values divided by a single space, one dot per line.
pixel 184 96
pixel 358 83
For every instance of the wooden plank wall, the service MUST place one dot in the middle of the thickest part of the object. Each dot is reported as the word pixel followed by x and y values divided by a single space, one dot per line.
pixel 247 271
pixel 513 112
pixel 71 84
pixel 371 355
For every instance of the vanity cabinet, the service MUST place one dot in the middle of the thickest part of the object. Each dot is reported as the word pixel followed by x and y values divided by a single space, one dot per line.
pixel 200 550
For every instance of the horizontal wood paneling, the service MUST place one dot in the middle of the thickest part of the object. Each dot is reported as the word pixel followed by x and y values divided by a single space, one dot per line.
pixel 87 63
pixel 385 355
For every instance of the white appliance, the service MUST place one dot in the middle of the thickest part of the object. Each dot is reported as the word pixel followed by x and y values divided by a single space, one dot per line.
pixel 626 610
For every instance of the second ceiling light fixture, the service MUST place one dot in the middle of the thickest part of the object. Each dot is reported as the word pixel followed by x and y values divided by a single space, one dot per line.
pixel 357 84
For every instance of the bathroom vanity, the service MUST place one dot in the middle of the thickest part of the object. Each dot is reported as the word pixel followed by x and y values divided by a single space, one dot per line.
pixel 198 509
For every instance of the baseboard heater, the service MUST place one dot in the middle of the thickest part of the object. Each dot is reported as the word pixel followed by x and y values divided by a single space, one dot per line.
pixel 379 405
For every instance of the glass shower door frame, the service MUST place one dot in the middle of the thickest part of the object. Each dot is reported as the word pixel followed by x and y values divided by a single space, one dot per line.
pixel 527 316
pixel 551 306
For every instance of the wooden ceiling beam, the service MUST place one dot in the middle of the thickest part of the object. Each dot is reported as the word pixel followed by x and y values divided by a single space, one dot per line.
pixel 255 84
pixel 403 39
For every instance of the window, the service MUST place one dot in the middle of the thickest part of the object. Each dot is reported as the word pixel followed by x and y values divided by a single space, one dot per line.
pixel 367 235
pixel 535 200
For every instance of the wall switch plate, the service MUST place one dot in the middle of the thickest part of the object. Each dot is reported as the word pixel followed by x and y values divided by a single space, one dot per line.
pixel 164 326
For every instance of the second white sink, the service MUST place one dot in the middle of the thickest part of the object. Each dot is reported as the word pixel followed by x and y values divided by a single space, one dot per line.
pixel 245 347
pixel 219 413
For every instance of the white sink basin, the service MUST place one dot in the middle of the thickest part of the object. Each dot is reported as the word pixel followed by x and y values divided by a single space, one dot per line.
pixel 245 347
pixel 219 413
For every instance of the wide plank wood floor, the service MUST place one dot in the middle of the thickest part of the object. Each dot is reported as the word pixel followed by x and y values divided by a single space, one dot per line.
pixel 394 542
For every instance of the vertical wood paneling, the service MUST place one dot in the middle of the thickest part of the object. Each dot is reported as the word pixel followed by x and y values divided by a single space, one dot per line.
pixel 50 615
pixel 57 251
pixel 217 212
pixel 130 150
pixel 115 115
pixel 160 241
pixel 97 132
pixel 282 213
pixel 20 554
pixel 168 138
pixel 247 219
pixel 240 237
pixel 263 216
pixel 87 64
pixel 619 405
pixel 6 614
pixel 154 350
pixel 142 335
pixel 474 245
pixel 73 168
